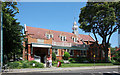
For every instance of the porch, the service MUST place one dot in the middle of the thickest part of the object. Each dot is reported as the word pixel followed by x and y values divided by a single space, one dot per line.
pixel 39 52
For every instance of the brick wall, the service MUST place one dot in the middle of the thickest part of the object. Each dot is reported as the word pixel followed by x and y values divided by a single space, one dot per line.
pixel 48 41
pixel 31 40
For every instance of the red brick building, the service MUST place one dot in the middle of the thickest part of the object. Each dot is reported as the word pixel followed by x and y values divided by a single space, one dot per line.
pixel 42 42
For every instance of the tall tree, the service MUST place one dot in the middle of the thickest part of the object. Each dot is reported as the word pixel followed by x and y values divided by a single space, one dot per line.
pixel 102 18
pixel 12 30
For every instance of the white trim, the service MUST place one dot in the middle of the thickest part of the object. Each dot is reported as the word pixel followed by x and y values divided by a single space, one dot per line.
pixel 25 27
pixel 45 46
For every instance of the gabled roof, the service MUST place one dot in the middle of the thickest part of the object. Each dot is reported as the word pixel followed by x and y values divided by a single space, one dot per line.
pixel 39 33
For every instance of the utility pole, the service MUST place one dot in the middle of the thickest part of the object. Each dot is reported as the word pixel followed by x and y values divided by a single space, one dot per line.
pixel 1 37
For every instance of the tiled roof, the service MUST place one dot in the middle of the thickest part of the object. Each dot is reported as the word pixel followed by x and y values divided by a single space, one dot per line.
pixel 118 49
pixel 39 33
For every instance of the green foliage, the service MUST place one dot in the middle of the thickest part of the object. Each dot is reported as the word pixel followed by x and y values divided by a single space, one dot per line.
pixel 72 60
pixel 37 64
pixel 62 61
pixel 25 64
pixel 13 65
pixel 66 55
pixel 102 18
pixel 80 59
pixel 12 30
pixel 112 50
pixel 53 56
pixel 116 58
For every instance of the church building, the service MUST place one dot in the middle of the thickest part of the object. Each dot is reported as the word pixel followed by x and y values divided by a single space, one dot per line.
pixel 39 43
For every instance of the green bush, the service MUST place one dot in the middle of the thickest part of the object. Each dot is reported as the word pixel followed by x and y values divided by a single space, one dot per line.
pixel 13 65
pixel 37 64
pixel 31 62
pixel 40 65
pixel 72 60
pixel 78 59
pixel 25 65
pixel 54 62
pixel 116 59
pixel 53 56
pixel 66 56
pixel 60 61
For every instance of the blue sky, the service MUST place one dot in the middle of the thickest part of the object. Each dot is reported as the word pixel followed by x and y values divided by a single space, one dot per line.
pixel 54 15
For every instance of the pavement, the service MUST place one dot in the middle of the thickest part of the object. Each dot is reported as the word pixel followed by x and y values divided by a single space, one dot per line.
pixel 57 69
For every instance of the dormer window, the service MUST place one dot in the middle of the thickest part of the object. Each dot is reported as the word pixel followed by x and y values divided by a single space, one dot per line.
pixel 49 36
pixel 74 39
pixel 63 38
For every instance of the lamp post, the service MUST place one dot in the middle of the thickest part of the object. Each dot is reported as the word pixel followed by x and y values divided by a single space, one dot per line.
pixel 94 60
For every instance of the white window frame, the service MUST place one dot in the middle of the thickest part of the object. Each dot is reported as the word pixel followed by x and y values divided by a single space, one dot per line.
pixel 49 36
pixel 63 38
pixel 74 39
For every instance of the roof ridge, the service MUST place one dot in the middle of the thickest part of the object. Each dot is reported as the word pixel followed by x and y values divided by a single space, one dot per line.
pixel 54 30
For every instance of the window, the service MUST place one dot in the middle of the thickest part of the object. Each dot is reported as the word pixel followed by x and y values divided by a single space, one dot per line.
pixel 96 52
pixel 55 51
pixel 49 36
pixel 83 53
pixel 74 39
pixel 103 53
pixel 71 52
pixel 63 38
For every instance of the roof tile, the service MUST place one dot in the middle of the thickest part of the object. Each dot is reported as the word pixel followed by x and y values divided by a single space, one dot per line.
pixel 39 33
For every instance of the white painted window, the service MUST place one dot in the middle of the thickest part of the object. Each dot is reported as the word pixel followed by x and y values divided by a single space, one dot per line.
pixel 74 39
pixel 49 36
pixel 63 38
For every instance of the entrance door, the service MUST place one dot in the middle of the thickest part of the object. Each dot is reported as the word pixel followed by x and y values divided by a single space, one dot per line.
pixel 42 52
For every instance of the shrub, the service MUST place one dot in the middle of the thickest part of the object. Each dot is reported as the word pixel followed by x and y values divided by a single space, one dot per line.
pixel 116 59
pixel 54 62
pixel 66 55
pixel 13 65
pixel 41 65
pixel 71 60
pixel 53 56
pixel 60 61
pixel 31 62
pixel 37 64
pixel 78 59
pixel 25 65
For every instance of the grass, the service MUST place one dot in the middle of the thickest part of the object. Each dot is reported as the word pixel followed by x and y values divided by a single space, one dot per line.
pixel 84 64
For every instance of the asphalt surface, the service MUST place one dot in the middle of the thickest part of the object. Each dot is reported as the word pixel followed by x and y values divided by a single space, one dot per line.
pixel 113 71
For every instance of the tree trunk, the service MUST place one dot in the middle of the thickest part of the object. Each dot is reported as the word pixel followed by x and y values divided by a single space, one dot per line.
pixel 100 52
pixel 106 53
pixel 14 56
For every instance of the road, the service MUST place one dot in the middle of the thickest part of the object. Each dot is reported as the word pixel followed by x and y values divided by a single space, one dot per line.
pixel 113 71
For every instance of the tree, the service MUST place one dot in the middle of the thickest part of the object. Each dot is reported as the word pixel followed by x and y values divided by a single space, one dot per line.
pixel 102 18
pixel 12 30
pixel 66 55
pixel 53 56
